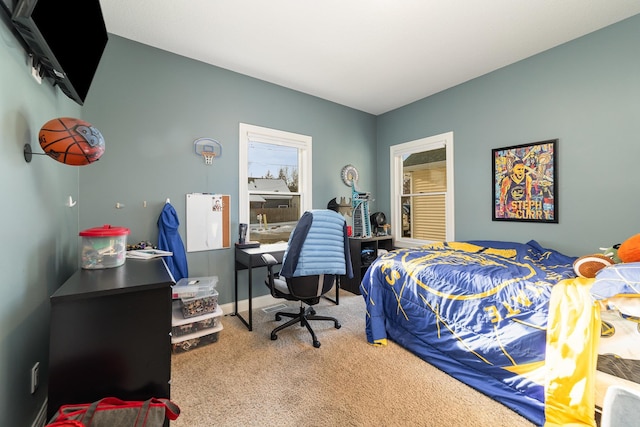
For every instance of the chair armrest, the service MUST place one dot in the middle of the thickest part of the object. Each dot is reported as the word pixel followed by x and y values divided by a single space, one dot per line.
pixel 269 259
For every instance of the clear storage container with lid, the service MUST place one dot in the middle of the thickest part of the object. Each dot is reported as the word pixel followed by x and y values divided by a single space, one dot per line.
pixel 190 287
pixel 104 247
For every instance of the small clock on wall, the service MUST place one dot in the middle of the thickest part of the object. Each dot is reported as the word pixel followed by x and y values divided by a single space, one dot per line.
pixel 349 175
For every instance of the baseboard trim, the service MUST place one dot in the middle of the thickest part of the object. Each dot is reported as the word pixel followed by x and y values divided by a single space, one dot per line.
pixel 243 305
pixel 41 418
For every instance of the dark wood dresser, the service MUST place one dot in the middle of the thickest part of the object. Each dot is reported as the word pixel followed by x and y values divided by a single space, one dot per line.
pixel 110 335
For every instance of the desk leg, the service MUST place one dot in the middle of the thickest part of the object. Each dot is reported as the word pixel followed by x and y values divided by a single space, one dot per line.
pixel 248 324
pixel 250 298
pixel 337 287
pixel 235 304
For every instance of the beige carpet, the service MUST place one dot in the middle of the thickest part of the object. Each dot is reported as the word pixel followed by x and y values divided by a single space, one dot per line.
pixel 245 379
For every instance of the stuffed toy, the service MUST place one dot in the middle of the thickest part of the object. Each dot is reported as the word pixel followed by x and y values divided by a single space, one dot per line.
pixel 629 250
pixel 612 252
pixel 588 265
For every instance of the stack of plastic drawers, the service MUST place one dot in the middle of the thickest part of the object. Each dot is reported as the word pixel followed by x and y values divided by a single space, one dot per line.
pixel 196 313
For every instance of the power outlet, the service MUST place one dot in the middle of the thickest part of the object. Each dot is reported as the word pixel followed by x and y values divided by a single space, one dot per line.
pixel 36 71
pixel 35 371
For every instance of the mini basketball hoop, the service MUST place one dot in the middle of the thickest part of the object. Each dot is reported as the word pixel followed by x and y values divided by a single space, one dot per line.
pixel 208 148
pixel 208 157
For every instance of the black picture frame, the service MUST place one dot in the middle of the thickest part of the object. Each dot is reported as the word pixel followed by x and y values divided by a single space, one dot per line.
pixel 525 182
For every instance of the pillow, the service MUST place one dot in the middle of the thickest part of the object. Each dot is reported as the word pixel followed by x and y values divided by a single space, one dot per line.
pixel 476 246
pixel 551 256
pixel 531 248
pixel 617 279
pixel 502 247
pixel 499 244
pixel 490 250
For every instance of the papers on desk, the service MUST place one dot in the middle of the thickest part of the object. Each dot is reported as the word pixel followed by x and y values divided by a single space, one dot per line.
pixel 147 253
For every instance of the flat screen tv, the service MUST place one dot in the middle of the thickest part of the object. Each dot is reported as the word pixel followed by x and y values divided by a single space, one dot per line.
pixel 66 38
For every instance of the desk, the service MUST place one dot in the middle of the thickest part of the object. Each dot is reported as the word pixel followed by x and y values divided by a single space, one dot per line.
pixel 247 259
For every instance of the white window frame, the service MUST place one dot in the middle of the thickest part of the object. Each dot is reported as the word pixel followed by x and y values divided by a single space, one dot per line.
pixel 396 155
pixel 302 143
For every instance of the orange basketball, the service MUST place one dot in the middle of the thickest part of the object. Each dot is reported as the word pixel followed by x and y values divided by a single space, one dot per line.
pixel 71 141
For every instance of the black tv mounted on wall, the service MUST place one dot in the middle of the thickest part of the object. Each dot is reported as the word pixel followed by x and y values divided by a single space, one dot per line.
pixel 66 40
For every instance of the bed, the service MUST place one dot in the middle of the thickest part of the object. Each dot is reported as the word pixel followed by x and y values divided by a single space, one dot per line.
pixel 509 319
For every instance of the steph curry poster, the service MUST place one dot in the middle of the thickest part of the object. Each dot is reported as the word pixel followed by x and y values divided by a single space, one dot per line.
pixel 525 182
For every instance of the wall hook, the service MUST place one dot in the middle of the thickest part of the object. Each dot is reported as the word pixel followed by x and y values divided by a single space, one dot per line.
pixel 119 205
pixel 70 202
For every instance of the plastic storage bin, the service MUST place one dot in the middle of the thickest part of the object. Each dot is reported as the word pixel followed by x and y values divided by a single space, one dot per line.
pixel 202 303
pixel 194 286
pixel 181 326
pixel 104 247
pixel 195 340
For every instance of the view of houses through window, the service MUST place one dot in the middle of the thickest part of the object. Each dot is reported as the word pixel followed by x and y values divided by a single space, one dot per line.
pixel 274 201
pixel 275 179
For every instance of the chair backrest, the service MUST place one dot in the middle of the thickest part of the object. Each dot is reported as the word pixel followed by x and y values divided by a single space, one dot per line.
pixel 318 245
pixel 310 288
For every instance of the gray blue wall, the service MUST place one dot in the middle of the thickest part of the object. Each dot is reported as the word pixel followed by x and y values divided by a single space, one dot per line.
pixel 38 232
pixel 586 94
pixel 150 105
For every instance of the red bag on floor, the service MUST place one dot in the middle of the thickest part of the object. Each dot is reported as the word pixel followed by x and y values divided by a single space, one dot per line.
pixel 69 423
pixel 111 411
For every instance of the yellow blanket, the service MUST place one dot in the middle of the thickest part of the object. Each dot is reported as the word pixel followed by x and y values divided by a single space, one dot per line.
pixel 571 354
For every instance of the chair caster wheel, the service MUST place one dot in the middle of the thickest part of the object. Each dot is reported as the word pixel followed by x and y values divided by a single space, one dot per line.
pixel 316 344
pixel 278 318
pixel 274 337
pixel 338 325
pixel 312 312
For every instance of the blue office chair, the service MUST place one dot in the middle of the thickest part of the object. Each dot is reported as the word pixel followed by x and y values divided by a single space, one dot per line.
pixel 317 253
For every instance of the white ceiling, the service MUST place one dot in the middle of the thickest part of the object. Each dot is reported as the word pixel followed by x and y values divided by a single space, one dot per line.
pixel 371 55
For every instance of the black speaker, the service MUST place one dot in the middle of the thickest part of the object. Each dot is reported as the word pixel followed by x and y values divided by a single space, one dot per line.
pixel 378 221
pixel 242 234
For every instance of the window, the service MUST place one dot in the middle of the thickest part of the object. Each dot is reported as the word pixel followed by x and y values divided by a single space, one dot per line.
pixel 275 181
pixel 422 207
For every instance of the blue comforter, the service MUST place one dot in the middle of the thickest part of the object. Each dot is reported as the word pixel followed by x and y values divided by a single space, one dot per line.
pixel 477 310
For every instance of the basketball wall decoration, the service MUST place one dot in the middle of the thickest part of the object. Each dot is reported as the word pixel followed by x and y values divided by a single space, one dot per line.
pixel 71 141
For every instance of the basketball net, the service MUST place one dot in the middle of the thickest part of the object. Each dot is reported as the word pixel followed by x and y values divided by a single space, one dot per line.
pixel 208 157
